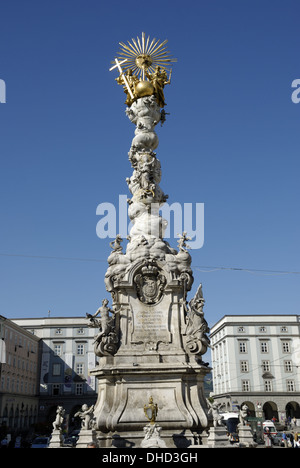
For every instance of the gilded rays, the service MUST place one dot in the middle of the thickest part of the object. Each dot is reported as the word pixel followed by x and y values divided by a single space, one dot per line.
pixel 143 54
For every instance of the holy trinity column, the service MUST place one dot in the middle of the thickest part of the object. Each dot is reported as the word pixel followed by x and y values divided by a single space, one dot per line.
pixel 151 339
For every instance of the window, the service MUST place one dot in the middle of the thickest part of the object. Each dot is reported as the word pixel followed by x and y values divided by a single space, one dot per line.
pixel 79 389
pixel 284 329
pixel 80 349
pixel 285 346
pixel 80 331
pixel 55 389
pixel 241 329
pixel 268 385
pixel 288 366
pixel 58 331
pixel 57 349
pixel 79 369
pixel 245 385
pixel 264 346
pixel 56 369
pixel 262 329
pixel 266 366
pixel 244 366
pixel 290 385
pixel 243 346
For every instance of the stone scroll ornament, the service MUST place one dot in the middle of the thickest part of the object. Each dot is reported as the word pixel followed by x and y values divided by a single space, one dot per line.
pixel 106 342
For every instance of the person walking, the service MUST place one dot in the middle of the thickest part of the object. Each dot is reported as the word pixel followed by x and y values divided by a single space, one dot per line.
pixel 296 440
pixel 267 438
pixel 284 439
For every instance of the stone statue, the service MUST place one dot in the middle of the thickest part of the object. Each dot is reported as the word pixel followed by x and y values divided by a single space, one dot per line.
pixel 116 244
pixel 182 245
pixel 243 415
pixel 105 319
pixel 197 328
pixel 86 415
pixel 106 341
pixel 214 409
pixel 57 424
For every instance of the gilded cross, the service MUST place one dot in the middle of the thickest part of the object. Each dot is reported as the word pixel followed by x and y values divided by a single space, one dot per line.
pixel 118 65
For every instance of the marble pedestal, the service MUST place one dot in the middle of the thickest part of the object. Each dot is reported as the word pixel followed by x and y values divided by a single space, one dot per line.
pixel 246 436
pixel 85 438
pixel 177 390
pixel 56 439
pixel 218 437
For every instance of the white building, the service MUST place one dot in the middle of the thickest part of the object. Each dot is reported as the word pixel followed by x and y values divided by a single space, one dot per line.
pixel 19 372
pixel 67 354
pixel 256 360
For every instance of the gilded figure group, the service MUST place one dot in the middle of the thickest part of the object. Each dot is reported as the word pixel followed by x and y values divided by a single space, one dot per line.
pixel 157 80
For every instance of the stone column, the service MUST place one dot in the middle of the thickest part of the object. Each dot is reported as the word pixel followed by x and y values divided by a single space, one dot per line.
pixel 154 342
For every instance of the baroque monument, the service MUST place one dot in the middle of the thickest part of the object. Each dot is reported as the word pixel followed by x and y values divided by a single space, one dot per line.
pixel 151 339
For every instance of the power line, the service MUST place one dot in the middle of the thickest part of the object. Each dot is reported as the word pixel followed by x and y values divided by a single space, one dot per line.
pixel 249 270
pixel 208 269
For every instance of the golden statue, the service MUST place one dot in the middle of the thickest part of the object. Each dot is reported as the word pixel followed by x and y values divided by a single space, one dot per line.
pixel 145 65
pixel 159 79
pixel 132 81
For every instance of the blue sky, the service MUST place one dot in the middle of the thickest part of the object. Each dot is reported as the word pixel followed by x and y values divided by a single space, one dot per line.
pixel 231 141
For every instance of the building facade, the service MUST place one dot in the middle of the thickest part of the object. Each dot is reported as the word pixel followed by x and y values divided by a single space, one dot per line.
pixel 19 376
pixel 67 354
pixel 256 360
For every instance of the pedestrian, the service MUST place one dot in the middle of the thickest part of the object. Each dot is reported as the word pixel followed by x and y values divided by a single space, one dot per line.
pixel 296 440
pixel 294 421
pixel 290 440
pixel 284 439
pixel 4 443
pixel 91 445
pixel 267 438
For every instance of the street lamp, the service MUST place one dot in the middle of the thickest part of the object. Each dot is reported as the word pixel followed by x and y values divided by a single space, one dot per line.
pixel 150 411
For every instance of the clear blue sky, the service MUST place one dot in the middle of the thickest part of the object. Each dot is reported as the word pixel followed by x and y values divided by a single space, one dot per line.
pixel 231 141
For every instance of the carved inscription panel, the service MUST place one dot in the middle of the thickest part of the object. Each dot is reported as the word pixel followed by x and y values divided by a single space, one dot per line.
pixel 150 324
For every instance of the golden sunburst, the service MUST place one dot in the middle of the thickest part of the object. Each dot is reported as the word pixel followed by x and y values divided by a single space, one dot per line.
pixel 142 55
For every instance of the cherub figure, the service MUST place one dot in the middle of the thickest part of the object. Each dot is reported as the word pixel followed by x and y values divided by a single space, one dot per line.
pixel 214 409
pixel 243 415
pixel 182 245
pixel 60 413
pixel 116 244
pixel 86 415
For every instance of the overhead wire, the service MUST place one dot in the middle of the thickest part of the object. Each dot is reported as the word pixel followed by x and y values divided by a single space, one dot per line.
pixel 208 269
